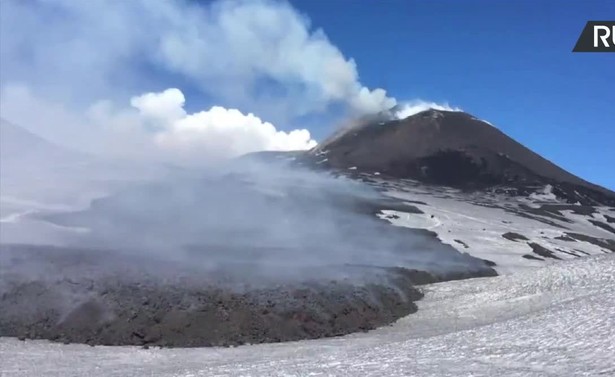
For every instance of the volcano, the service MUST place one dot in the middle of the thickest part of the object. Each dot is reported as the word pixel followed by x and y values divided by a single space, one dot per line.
pixel 279 246
pixel 450 148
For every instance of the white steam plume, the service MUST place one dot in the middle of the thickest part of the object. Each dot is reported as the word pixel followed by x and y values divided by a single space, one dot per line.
pixel 217 132
pixel 155 127
pixel 262 56
pixel 414 107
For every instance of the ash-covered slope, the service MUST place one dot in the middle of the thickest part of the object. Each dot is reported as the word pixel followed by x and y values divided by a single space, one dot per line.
pixel 454 149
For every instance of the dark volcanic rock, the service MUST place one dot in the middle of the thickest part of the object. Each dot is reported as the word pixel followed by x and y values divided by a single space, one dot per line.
pixel 565 238
pixel 529 256
pixel 490 263
pixel 542 251
pixel 97 298
pixel 607 244
pixel 462 243
pixel 545 212
pixel 576 209
pixel 451 148
pixel 602 225
pixel 512 236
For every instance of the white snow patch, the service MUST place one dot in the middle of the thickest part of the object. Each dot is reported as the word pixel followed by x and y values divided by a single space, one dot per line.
pixel 410 220
pixel 545 195
pixel 414 107
pixel 16 216
pixel 481 229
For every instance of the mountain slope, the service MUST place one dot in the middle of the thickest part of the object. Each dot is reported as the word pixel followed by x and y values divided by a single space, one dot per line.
pixel 19 144
pixel 454 149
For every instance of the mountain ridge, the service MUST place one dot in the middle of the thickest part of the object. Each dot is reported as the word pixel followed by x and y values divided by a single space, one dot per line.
pixel 450 148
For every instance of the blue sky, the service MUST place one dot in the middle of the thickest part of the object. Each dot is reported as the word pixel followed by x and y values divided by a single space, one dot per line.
pixel 509 62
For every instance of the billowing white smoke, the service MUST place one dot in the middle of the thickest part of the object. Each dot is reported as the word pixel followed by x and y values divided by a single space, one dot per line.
pixel 260 55
pixel 253 39
pixel 245 57
pixel 413 107
pixel 241 57
pixel 156 126
pixel 69 70
pixel 217 132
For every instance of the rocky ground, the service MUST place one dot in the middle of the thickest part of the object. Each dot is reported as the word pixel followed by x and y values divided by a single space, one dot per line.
pixel 111 299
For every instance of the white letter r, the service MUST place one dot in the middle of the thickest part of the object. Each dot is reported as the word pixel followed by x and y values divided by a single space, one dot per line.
pixel 604 37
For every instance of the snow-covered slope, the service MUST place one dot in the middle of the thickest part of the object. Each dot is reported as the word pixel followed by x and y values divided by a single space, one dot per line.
pixel 554 321
pixel 513 232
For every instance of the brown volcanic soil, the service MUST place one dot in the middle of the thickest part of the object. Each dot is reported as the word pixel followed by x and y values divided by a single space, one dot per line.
pixel 454 149
pixel 104 298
